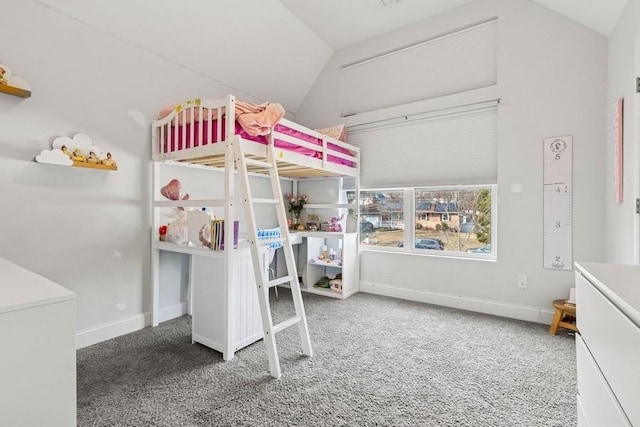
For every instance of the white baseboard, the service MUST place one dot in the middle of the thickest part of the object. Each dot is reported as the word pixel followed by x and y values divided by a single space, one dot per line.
pixel 173 311
pixel 512 311
pixel 112 330
pixel 109 331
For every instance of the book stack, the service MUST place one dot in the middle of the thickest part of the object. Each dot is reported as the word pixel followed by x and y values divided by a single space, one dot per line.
pixel 217 234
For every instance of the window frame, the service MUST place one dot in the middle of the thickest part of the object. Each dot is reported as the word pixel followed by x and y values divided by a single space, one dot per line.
pixel 409 221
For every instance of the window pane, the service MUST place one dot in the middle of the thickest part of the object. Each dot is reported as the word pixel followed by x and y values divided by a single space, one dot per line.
pixel 381 217
pixel 457 220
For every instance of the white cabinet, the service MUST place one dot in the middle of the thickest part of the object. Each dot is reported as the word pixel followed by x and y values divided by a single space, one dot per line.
pixel 38 350
pixel 224 318
pixel 608 316
pixel 224 305
pixel 344 264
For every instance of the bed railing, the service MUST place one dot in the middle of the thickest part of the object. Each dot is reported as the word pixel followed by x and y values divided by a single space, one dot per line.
pixel 189 125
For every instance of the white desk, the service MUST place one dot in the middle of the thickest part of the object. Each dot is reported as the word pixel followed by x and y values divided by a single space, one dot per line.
pixel 38 350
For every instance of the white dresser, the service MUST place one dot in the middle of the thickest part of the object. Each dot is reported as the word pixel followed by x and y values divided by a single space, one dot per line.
pixel 37 350
pixel 608 345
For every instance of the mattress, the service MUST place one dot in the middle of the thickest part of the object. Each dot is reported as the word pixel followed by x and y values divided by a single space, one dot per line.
pixel 180 139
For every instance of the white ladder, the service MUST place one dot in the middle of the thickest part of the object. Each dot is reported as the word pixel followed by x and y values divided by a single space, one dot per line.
pixel 259 255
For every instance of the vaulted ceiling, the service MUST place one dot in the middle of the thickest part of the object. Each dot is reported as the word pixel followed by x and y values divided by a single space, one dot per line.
pixel 273 49
pixel 341 23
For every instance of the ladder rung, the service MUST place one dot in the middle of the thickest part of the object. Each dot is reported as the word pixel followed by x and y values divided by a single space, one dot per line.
pixel 266 201
pixel 259 163
pixel 284 325
pixel 279 281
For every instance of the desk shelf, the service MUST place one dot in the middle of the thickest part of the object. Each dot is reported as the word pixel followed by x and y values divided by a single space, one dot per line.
pixel 345 246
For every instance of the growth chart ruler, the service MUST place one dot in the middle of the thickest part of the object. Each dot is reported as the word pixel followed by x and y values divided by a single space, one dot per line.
pixel 558 201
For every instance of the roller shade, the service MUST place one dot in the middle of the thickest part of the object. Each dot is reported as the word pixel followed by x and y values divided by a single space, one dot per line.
pixel 451 63
pixel 430 149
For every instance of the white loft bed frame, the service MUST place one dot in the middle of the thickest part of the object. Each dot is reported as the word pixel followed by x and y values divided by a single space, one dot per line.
pixel 219 153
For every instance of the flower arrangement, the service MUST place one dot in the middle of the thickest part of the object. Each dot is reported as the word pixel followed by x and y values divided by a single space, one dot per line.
pixel 296 204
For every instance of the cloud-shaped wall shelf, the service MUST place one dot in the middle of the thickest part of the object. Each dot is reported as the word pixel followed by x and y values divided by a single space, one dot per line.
pixel 12 85
pixel 78 151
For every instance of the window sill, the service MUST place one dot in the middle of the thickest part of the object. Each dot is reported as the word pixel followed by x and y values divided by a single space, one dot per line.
pixel 428 253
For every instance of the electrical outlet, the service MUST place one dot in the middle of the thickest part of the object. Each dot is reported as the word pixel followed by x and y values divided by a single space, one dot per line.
pixel 522 281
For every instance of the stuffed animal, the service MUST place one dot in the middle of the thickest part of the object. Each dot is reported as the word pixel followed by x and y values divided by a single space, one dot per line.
pixel 335 224
pixel 324 282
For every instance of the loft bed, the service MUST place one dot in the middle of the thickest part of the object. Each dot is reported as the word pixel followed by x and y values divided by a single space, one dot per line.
pixel 202 132
pixel 195 131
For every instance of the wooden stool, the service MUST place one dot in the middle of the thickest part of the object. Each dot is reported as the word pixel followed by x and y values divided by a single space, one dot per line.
pixel 565 316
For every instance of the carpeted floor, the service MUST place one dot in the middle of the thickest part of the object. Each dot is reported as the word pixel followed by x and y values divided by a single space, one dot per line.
pixel 377 362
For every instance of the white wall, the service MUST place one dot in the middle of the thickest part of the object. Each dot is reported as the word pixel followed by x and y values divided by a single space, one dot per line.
pixel 623 233
pixel 85 229
pixel 551 75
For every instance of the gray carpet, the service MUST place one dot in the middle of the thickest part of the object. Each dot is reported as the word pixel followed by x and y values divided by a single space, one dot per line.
pixel 378 362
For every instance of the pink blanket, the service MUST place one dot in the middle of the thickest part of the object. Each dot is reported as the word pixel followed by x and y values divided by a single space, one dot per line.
pixel 254 119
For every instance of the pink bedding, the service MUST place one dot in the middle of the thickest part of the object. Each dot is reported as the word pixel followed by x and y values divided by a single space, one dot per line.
pixel 254 119
pixel 174 143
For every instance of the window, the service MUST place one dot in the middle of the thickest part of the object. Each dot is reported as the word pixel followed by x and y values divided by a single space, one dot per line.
pixel 382 217
pixel 452 220
pixel 453 150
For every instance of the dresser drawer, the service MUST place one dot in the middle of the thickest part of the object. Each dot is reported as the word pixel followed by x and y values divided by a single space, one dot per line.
pixel 596 401
pixel 613 341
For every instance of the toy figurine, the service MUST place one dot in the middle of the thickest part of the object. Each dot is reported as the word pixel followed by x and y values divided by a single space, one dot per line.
pixel 108 161
pixel 77 156
pixel 92 158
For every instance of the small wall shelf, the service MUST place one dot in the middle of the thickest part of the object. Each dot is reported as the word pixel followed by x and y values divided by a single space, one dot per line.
pixel 15 91
pixel 12 85
pixel 95 166
pixel 80 144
